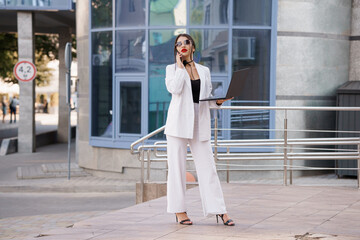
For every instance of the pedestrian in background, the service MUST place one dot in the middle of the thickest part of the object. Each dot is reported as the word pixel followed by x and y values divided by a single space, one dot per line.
pixel 45 106
pixel 3 108
pixel 13 104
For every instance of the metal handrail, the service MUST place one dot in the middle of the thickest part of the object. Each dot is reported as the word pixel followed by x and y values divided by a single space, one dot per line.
pixel 286 144
pixel 146 137
pixel 288 108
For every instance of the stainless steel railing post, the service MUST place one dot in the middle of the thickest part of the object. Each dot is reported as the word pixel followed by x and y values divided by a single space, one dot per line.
pixel 148 166
pixel 291 167
pixel 285 148
pixel 142 175
pixel 358 166
pixel 228 168
pixel 216 138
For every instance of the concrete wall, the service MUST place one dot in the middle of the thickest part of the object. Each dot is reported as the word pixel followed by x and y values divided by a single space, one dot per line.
pixel 313 50
pixel 354 74
pixel 312 58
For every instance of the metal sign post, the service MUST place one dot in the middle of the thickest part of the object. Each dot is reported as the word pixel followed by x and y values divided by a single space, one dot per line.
pixel 68 60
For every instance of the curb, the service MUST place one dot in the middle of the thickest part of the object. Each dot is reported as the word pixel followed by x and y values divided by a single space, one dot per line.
pixel 68 189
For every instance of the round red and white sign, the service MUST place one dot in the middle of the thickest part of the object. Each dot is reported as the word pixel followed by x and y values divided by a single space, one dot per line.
pixel 25 71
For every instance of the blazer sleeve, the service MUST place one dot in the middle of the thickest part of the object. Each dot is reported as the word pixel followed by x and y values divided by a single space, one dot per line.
pixel 212 104
pixel 175 79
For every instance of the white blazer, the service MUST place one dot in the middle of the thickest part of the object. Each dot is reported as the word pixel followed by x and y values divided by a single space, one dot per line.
pixel 180 118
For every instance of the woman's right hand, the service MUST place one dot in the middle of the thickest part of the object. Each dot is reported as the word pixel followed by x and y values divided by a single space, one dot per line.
pixel 178 60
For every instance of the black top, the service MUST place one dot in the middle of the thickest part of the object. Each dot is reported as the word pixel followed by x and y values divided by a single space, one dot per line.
pixel 195 87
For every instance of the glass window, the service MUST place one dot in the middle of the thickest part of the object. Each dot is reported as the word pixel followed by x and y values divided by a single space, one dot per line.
pixel 101 13
pixel 252 12
pixel 130 13
pixel 217 91
pixel 130 107
pixel 130 51
pixel 161 54
pixel 38 3
pixel 251 48
pixel 208 22
pixel 167 12
pixel 211 48
pixel 214 12
pixel 101 95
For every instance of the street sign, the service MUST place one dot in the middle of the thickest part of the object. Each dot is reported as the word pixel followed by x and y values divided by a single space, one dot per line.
pixel 25 71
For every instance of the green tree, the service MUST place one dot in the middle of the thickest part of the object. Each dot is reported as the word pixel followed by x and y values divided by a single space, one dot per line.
pixel 8 56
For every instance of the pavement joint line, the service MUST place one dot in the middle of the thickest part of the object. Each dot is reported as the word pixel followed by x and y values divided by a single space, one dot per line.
pixel 329 219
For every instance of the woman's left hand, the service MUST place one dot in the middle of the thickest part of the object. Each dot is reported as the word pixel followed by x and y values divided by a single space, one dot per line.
pixel 219 102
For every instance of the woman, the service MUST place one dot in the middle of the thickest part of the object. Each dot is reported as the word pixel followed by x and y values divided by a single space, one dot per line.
pixel 3 108
pixel 188 121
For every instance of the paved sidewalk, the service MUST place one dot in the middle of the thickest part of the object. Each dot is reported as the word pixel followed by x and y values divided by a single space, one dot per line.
pixel 20 227
pixel 260 212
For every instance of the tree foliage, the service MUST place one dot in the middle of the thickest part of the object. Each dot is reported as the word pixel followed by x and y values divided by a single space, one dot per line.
pixel 8 56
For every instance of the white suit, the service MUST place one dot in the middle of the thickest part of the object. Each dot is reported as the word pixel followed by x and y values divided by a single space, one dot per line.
pixel 189 123
pixel 180 120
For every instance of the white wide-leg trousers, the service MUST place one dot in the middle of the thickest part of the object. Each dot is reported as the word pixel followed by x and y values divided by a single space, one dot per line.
pixel 210 189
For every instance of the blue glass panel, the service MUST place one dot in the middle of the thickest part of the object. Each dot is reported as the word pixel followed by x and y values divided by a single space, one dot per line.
pixel 251 48
pixel 130 13
pixel 101 95
pixel 211 48
pixel 130 51
pixel 252 12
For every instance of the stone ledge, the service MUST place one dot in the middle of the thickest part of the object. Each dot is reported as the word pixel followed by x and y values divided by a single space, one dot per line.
pixel 155 190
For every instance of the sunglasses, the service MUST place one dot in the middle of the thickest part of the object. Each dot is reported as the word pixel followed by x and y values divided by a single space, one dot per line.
pixel 179 44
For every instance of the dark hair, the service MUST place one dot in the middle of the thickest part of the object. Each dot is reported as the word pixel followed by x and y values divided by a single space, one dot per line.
pixel 188 37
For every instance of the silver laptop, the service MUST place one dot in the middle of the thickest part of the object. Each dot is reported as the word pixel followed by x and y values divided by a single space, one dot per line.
pixel 235 87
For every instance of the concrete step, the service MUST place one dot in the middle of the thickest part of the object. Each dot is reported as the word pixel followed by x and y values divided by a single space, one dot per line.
pixel 51 170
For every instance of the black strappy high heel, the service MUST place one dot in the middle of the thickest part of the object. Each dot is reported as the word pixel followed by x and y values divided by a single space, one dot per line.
pixel 185 221
pixel 222 218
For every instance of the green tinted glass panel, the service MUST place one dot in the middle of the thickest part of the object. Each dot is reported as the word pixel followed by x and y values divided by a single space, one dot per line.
pixel 130 107
pixel 167 12
pixel 209 12
pixel 101 13
pixel 161 54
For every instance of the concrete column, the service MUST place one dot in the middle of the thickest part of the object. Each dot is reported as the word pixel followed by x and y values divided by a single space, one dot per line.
pixel 354 74
pixel 26 129
pixel 63 124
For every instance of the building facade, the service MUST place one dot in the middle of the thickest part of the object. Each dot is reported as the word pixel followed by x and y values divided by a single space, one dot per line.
pixel 300 53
